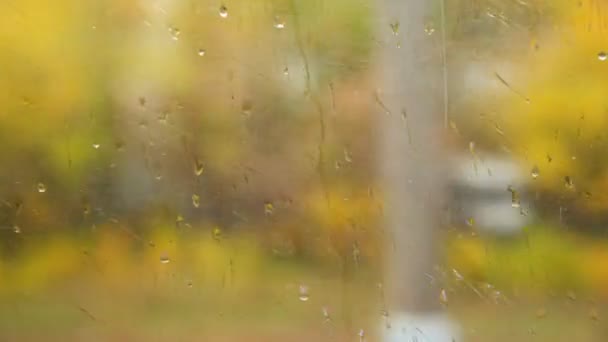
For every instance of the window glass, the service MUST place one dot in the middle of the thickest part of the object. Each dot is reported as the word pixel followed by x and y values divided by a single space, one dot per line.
pixel 303 170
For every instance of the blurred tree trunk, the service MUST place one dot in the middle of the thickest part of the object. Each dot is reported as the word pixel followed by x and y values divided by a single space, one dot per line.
pixel 412 72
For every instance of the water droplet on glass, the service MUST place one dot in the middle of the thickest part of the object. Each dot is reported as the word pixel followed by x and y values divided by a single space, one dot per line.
pixel 361 335
pixel 223 12
pixel 201 52
pixel 535 172
pixel 216 233
pixel 268 208
pixel 175 32
pixel 196 200
pixel 286 71
pixel 395 27
pixel 189 284
pixel 470 222
pixel 303 293
pixel 164 259
pixel 429 28
pixel 571 295
pixel 602 56
pixel 515 203
pixel 16 229
pixel 279 23
pixel 120 146
pixel 568 182
pixel 326 315
pixel 348 157
pixel 96 146
pixel 246 108
pixel 443 297
pixel 198 167
pixel 457 274
pixel 41 187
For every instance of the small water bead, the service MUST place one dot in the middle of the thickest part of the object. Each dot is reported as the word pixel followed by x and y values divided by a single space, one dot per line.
pixel 515 203
pixel 216 233
pixel 568 182
pixel 164 259
pixel 196 200
pixel 247 108
pixel 41 187
pixel 429 28
pixel 304 296
pixel 361 335
pixel 201 52
pixel 198 167
pixel 326 315
pixel 279 23
pixel 602 56
pixel 535 172
pixel 395 27
pixel 175 32
pixel 268 208
pixel 348 157
pixel 470 222
pixel 223 11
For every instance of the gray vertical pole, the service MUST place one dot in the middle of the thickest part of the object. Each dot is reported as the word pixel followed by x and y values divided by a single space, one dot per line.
pixel 412 68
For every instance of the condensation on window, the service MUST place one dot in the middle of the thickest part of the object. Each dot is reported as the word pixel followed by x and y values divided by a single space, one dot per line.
pixel 303 170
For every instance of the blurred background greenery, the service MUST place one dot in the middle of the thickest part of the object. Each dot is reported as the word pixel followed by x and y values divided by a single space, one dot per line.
pixel 165 174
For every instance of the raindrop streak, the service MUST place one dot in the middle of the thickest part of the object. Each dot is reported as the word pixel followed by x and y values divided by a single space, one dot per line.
pixel 602 56
pixel 41 187
pixel 164 259
pixel 223 12
pixel 506 84
pixel 535 172
pixel 196 200
pixel 303 293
